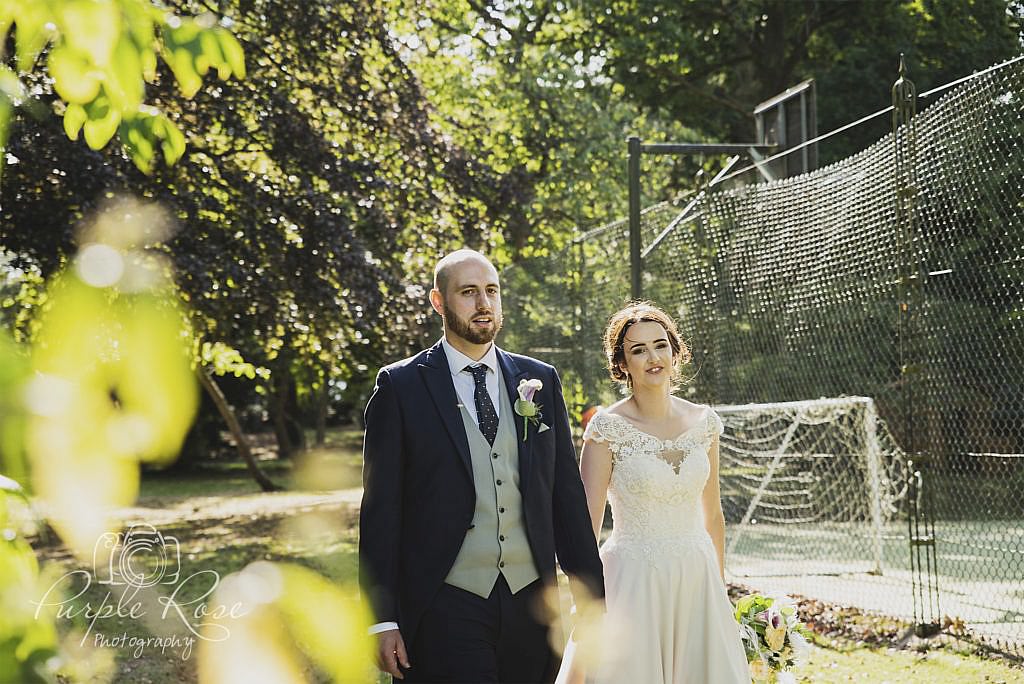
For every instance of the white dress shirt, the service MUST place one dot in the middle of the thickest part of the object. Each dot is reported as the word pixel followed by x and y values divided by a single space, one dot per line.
pixel 465 388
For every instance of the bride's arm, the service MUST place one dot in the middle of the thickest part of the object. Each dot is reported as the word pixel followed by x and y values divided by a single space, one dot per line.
pixel 596 471
pixel 714 519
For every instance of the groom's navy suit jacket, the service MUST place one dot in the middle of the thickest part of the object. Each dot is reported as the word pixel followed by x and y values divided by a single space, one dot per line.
pixel 419 497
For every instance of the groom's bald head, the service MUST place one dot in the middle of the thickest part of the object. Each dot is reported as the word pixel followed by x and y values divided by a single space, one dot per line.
pixel 450 263
pixel 467 295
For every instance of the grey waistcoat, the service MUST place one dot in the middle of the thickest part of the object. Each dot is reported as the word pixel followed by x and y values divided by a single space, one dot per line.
pixel 496 542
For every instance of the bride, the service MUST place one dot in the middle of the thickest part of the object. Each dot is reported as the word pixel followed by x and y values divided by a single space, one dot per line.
pixel 656 457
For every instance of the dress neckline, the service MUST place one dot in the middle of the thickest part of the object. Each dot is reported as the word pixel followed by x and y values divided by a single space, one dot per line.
pixel 702 420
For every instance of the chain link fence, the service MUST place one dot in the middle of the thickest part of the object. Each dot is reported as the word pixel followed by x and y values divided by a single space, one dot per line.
pixel 793 297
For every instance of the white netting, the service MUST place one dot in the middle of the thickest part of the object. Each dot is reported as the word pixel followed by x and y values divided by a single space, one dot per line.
pixel 825 471
pixel 807 287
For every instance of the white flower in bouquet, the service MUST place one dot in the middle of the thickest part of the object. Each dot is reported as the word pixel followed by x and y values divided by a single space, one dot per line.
pixel 801 647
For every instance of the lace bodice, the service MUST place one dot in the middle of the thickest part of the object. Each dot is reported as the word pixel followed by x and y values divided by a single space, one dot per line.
pixel 656 503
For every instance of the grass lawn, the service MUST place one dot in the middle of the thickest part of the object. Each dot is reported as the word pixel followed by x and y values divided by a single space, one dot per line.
pixel 891 666
pixel 341 454
pixel 222 523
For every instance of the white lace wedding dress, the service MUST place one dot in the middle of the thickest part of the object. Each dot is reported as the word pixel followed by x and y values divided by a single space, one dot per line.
pixel 667 606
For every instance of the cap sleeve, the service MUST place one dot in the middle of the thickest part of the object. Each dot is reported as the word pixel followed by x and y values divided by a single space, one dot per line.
pixel 715 427
pixel 597 428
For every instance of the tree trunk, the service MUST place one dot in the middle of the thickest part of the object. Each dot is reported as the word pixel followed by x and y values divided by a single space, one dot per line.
pixel 211 387
pixel 277 418
pixel 296 432
pixel 293 414
pixel 321 414
pixel 284 407
pixel 289 439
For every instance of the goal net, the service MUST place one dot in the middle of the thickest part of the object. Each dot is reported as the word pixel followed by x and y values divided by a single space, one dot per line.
pixel 810 487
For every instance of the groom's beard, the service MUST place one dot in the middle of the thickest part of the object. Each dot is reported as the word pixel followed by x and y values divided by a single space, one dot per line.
pixel 464 329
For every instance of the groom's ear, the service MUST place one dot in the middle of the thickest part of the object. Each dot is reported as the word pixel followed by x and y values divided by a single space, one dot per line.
pixel 437 301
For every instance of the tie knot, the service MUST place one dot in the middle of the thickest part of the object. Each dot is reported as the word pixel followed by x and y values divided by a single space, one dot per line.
pixel 479 373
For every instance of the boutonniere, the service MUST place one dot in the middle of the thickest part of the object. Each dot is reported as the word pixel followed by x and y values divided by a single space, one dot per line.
pixel 525 406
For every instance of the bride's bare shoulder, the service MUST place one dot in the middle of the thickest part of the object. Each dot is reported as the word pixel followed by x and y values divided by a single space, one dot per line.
pixel 618 408
pixel 688 408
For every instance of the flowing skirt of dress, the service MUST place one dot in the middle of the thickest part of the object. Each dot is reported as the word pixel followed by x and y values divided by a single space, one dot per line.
pixel 669 620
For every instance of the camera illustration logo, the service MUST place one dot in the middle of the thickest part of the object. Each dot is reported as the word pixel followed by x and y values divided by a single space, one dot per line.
pixel 140 557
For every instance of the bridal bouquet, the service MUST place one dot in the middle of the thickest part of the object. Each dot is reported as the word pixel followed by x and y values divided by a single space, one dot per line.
pixel 774 638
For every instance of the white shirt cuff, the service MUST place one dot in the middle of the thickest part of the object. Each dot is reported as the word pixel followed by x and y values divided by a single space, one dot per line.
pixel 382 627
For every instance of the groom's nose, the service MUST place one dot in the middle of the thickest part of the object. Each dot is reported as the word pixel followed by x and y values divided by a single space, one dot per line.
pixel 484 302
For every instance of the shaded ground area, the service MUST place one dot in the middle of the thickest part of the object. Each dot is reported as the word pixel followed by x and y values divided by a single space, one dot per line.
pixel 318 529
pixel 221 523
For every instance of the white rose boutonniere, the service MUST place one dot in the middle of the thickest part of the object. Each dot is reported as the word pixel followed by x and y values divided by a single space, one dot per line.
pixel 525 405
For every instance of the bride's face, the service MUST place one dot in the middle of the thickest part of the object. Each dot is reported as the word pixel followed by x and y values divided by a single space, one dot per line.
pixel 648 353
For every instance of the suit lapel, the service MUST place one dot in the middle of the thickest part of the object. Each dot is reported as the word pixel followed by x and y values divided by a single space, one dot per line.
pixel 437 376
pixel 512 374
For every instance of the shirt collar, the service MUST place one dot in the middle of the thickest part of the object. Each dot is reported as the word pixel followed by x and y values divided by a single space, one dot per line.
pixel 457 361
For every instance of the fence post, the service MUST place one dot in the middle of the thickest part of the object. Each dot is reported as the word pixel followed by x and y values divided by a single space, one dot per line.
pixel 874 463
pixel 635 239
pixel 580 325
pixel 921 527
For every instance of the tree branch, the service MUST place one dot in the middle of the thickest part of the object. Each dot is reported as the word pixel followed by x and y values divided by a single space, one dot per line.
pixel 211 387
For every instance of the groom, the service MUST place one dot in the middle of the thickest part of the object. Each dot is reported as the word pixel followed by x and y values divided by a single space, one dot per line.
pixel 465 502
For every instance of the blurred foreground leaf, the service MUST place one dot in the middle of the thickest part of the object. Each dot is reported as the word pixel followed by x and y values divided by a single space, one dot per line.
pixel 292 618
pixel 112 384
pixel 28 640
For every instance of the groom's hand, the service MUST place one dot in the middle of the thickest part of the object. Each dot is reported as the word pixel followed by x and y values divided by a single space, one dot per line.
pixel 391 652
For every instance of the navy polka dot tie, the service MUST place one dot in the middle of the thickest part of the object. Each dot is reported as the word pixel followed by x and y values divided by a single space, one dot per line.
pixel 486 416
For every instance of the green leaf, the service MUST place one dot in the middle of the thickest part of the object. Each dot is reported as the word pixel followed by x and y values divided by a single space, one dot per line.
pixel 182 66
pixel 6 18
pixel 173 141
pixel 31 33
pixel 329 624
pixel 744 604
pixel 184 32
pixel 91 27
pixel 141 133
pixel 5 119
pixel 102 122
pixel 74 117
pixel 74 77
pixel 211 55
pixel 125 85
pixel 135 137
pixel 232 51
pixel 140 19
pixel 148 59
pixel 153 354
pixel 11 88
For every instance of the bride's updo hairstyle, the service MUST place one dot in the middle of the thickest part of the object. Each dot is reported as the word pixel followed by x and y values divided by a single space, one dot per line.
pixel 625 318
